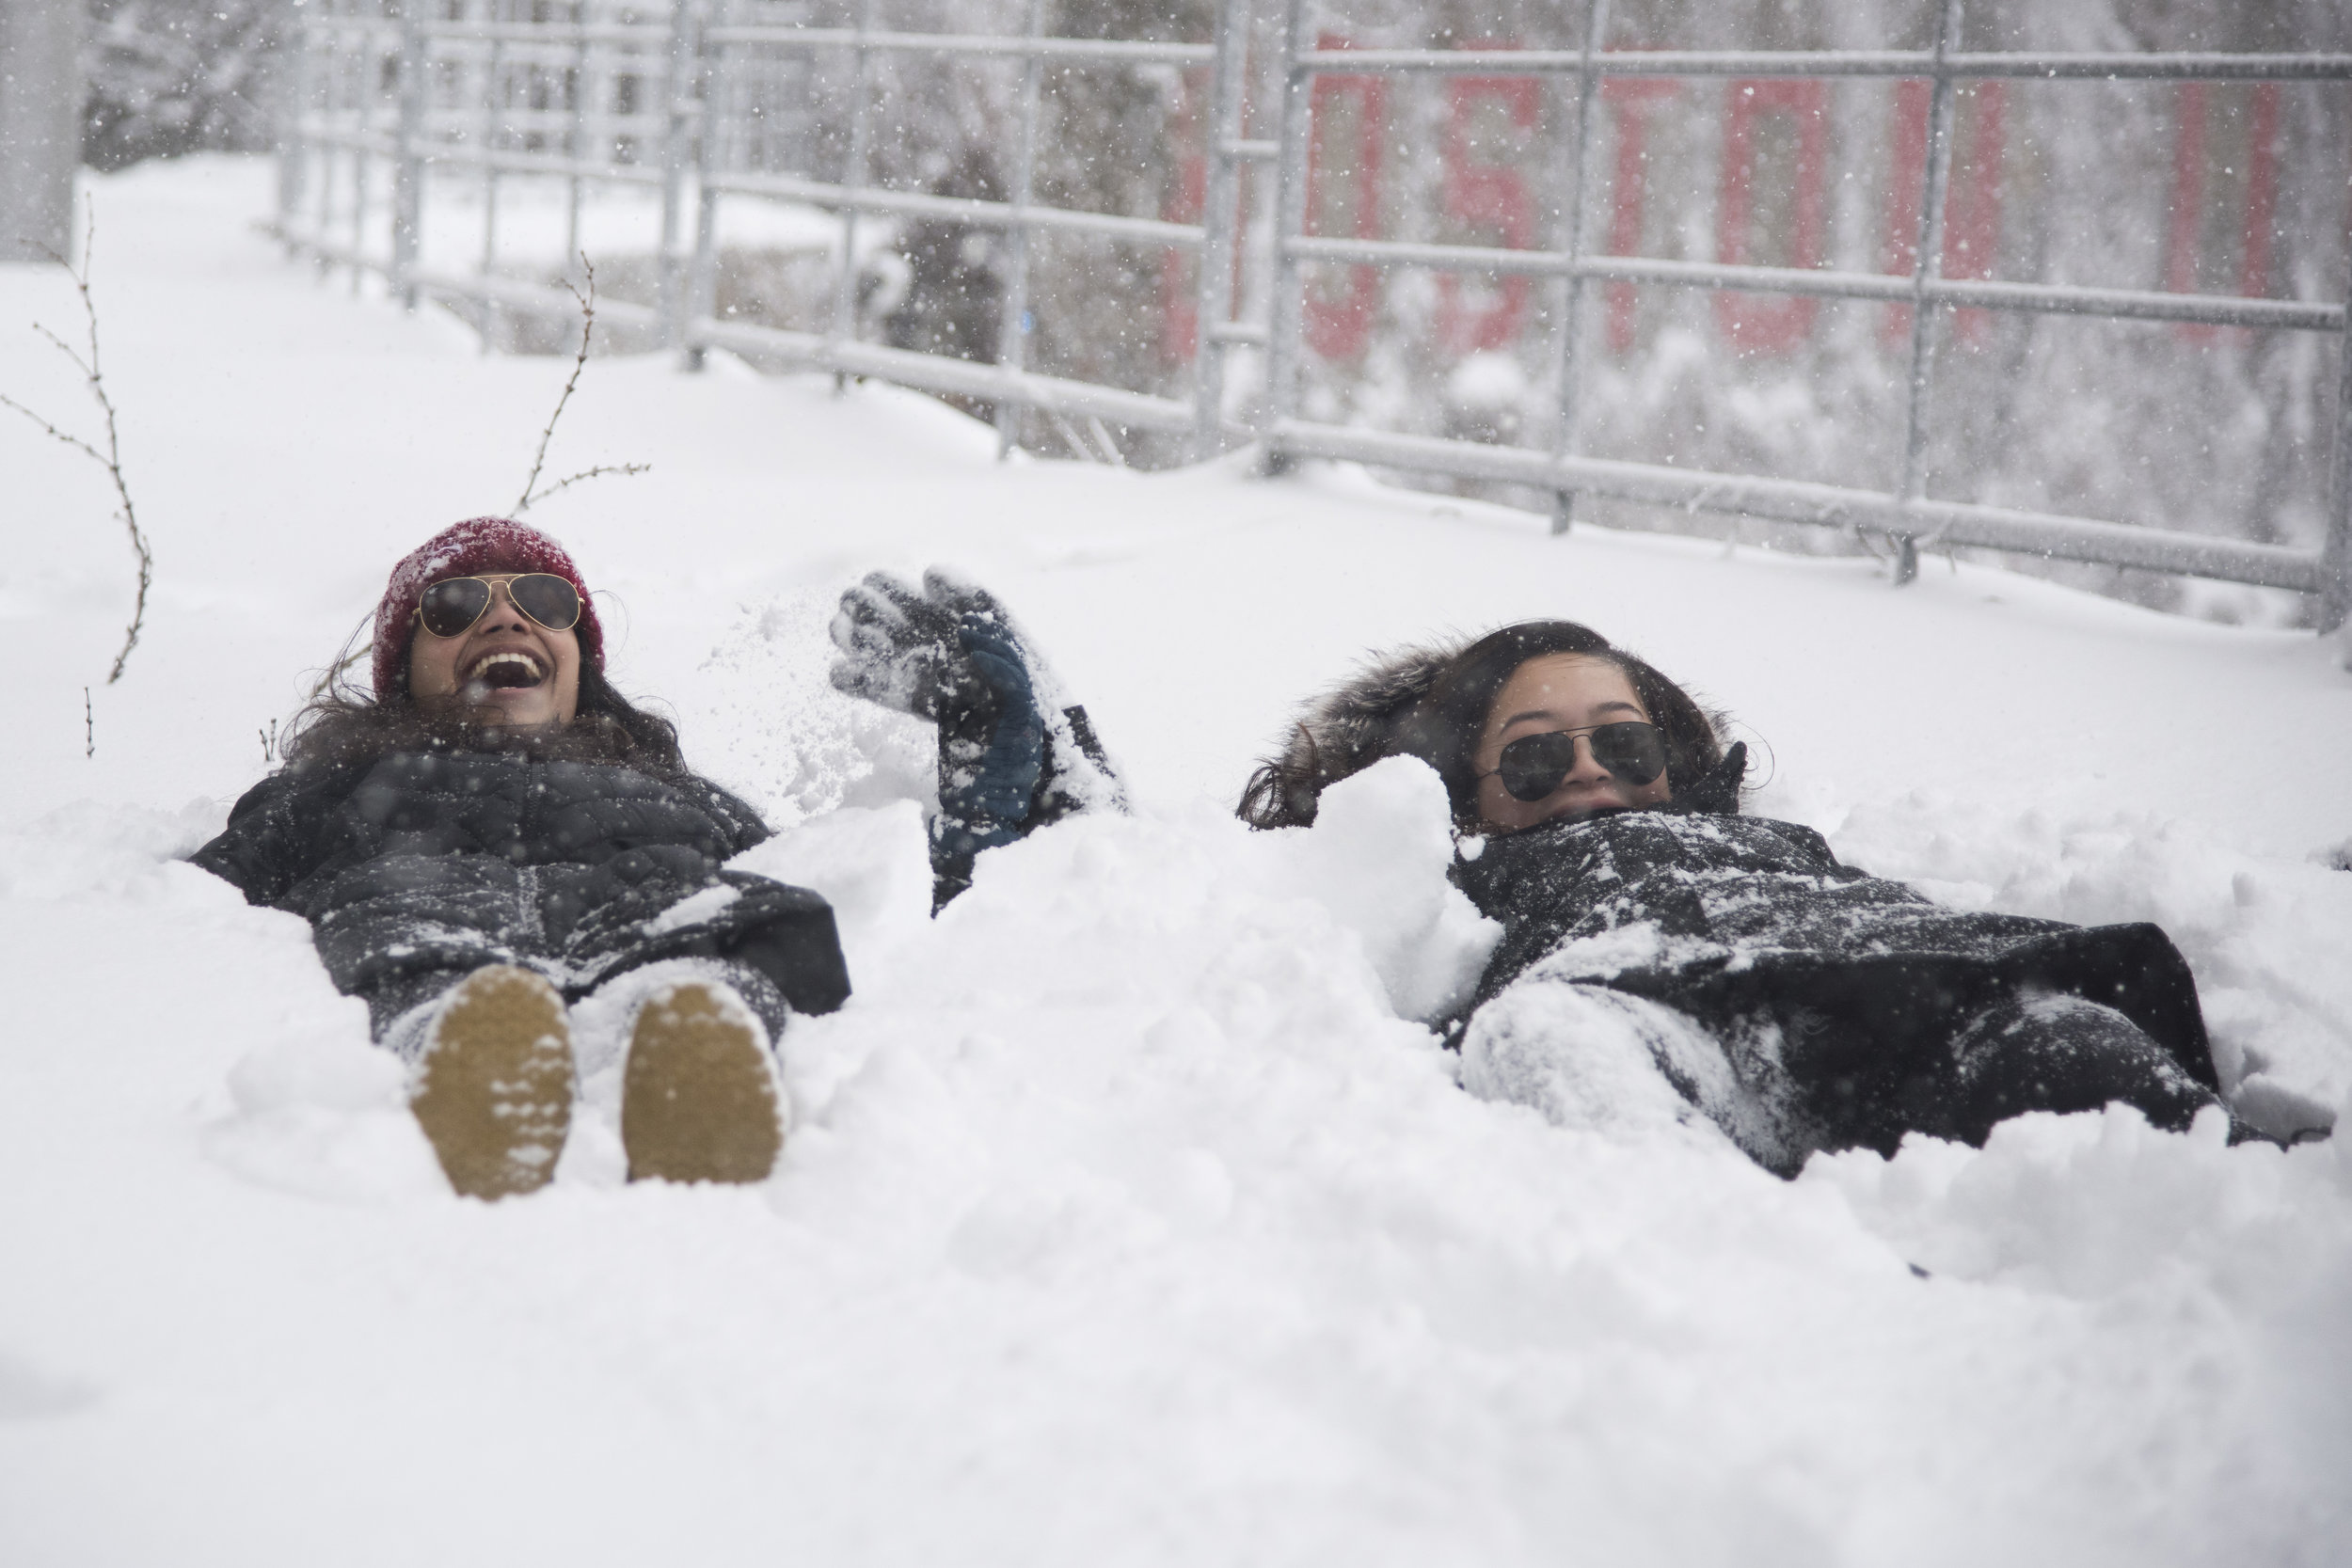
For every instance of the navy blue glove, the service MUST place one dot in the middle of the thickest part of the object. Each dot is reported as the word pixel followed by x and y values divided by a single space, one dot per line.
pixel 992 754
pixel 898 644
pixel 1013 753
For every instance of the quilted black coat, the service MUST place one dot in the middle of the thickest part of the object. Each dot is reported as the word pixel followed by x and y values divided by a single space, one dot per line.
pixel 1741 921
pixel 416 868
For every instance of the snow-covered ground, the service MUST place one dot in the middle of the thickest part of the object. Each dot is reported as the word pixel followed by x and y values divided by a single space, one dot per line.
pixel 1123 1220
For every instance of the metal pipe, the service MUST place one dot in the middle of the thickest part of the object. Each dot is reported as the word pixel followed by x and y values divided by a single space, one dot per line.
pixel 331 73
pixel 2048 536
pixel 533 163
pixel 1012 329
pixel 526 121
pixel 1568 361
pixel 791 187
pixel 293 103
pixel 649 34
pixel 2053 298
pixel 843 327
pixel 1221 223
pixel 679 123
pixel 491 83
pixel 577 135
pixel 703 279
pixel 2211 67
pixel 408 170
pixel 1032 46
pixel 1927 266
pixel 364 104
pixel 2335 555
pixel 1290 217
pixel 957 377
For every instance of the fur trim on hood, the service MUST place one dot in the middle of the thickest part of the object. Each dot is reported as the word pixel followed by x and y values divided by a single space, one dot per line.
pixel 1344 729
pixel 1380 711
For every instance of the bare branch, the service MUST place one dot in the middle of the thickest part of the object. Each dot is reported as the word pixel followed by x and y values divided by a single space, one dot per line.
pixel 597 473
pixel 111 459
pixel 74 441
pixel 61 345
pixel 580 362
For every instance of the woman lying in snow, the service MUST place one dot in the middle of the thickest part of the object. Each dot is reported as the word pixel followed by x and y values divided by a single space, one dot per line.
pixel 1663 958
pixel 493 832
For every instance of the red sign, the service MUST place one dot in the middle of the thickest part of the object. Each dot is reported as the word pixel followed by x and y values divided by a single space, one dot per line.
pixel 1482 194
pixel 1347 117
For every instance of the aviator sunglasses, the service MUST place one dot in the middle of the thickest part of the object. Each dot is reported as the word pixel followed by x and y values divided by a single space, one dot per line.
pixel 452 606
pixel 1532 767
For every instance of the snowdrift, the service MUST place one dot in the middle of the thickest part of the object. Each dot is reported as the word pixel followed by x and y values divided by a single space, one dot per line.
pixel 1128 1215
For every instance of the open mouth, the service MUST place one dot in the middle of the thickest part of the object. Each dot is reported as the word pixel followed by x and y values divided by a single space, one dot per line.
pixel 506 671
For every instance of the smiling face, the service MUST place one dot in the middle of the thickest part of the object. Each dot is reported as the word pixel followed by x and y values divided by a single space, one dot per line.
pixel 1560 691
pixel 505 670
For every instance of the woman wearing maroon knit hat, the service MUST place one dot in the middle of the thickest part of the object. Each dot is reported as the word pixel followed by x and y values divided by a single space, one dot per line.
pixel 492 834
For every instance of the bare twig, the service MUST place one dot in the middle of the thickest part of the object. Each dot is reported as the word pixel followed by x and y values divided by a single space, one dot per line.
pixel 89 727
pixel 580 362
pixel 597 473
pixel 111 459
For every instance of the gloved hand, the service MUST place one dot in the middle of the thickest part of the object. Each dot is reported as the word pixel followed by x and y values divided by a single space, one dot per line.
pixel 950 654
pixel 898 646
pixel 989 779
pixel 1717 792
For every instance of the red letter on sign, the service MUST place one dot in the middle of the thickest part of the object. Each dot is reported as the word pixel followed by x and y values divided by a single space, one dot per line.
pixel 1488 196
pixel 1751 325
pixel 1629 100
pixel 1343 201
pixel 1972 211
pixel 2181 243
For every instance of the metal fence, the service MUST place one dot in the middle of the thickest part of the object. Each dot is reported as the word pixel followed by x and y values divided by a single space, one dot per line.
pixel 609 97
pixel 385 102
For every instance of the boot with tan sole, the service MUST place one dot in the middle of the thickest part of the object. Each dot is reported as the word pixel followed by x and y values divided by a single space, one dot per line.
pixel 699 1100
pixel 494 1086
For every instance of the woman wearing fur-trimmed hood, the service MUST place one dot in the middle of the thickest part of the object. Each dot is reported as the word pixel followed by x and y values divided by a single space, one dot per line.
pixel 1664 958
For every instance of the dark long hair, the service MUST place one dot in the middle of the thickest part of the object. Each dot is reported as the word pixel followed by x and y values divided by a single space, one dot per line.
pixel 1283 791
pixel 1445 728
pixel 343 723
pixel 1442 725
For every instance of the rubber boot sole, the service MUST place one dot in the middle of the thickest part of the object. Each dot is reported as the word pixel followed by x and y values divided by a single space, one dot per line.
pixel 698 1096
pixel 494 1090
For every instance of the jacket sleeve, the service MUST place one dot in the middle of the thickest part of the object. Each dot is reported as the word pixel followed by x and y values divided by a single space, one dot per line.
pixel 271 842
pixel 1073 775
pixel 741 825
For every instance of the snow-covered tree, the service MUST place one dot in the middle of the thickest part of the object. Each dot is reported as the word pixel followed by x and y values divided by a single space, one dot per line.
pixel 169 77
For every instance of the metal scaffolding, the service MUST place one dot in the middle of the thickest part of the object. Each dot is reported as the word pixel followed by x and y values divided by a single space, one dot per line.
pixel 609 97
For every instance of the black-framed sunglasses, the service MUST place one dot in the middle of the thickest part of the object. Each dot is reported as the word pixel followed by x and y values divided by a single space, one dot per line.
pixel 1532 767
pixel 451 607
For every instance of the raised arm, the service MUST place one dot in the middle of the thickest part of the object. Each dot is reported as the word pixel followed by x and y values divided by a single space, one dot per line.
pixel 1014 752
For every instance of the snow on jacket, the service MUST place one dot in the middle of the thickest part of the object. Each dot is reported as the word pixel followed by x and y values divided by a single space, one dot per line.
pixel 421 865
pixel 1797 1002
pixel 1734 919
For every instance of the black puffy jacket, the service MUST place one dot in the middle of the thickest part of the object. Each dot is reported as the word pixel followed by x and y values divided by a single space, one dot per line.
pixel 418 868
pixel 1728 918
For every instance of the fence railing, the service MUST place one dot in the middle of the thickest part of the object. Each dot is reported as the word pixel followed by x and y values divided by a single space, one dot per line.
pixel 365 83
pixel 383 103
pixel 1906 516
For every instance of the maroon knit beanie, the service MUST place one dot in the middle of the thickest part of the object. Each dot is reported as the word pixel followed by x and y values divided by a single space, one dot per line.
pixel 463 549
